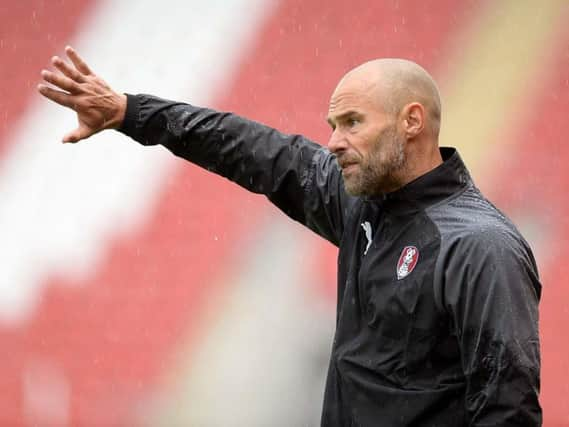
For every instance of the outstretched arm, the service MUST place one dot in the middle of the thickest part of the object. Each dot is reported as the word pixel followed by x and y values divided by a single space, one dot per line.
pixel 98 107
pixel 299 176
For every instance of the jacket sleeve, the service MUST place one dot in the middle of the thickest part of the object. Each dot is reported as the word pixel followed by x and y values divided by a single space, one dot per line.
pixel 299 176
pixel 492 292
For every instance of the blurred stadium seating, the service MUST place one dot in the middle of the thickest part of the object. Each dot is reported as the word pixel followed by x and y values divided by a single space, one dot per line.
pixel 136 289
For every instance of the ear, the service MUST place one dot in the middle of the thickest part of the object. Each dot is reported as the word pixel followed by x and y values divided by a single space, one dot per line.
pixel 413 119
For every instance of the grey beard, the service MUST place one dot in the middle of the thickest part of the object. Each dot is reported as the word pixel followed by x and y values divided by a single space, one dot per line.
pixel 376 178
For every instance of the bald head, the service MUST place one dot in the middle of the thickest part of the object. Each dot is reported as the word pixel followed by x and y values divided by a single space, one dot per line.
pixel 397 83
pixel 385 117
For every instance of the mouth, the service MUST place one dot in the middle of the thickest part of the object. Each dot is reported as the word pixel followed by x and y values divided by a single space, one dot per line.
pixel 348 166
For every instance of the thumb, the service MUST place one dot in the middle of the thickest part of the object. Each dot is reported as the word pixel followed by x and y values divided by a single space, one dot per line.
pixel 78 134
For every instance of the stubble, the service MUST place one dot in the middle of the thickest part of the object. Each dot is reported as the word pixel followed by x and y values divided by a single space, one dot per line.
pixel 381 171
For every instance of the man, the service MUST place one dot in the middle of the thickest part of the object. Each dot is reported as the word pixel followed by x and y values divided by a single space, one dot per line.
pixel 437 315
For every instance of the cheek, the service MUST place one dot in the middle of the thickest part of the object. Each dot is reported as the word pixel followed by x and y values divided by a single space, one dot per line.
pixel 387 144
pixel 365 143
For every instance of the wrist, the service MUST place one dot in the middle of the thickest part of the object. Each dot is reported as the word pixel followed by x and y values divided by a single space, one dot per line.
pixel 128 124
pixel 118 118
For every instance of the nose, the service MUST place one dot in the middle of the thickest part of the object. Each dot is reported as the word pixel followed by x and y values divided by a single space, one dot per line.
pixel 337 142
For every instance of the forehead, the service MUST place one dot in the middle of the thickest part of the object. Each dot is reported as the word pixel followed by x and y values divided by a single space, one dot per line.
pixel 354 94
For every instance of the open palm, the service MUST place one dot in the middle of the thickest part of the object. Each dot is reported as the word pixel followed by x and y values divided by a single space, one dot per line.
pixel 98 107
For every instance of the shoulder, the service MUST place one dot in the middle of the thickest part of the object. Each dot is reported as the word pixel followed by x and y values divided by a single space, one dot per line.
pixel 474 232
pixel 471 220
pixel 481 253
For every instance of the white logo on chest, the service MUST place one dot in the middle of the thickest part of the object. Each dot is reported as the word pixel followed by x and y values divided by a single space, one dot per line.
pixel 367 229
pixel 407 261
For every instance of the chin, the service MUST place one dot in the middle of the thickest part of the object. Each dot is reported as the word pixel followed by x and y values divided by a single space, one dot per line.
pixel 354 189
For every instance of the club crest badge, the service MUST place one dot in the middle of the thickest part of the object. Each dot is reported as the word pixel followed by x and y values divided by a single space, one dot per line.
pixel 407 261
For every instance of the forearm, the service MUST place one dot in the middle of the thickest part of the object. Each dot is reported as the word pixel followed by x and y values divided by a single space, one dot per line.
pixel 293 172
pixel 241 150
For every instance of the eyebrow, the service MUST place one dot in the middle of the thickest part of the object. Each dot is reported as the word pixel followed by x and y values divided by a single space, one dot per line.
pixel 342 116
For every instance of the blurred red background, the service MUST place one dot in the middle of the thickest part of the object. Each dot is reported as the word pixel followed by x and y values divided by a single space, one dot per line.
pixel 139 290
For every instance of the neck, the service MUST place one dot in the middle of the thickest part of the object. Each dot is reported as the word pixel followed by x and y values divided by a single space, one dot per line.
pixel 420 162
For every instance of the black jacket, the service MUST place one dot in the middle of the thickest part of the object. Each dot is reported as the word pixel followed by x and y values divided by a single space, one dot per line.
pixel 437 316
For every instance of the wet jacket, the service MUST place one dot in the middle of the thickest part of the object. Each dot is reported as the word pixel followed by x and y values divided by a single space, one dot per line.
pixel 437 309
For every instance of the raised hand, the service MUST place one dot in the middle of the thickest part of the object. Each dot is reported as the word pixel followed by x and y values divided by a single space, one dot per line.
pixel 98 107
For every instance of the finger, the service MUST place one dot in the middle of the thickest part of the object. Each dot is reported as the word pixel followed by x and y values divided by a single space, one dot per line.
pixel 77 61
pixel 56 96
pixel 61 81
pixel 68 70
pixel 77 135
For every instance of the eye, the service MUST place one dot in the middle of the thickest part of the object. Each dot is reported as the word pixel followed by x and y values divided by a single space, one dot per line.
pixel 352 121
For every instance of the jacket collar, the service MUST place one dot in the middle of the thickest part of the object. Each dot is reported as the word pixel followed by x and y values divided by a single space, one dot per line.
pixel 448 178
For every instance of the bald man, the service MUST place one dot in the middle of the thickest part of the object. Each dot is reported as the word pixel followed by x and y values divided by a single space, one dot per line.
pixel 437 312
